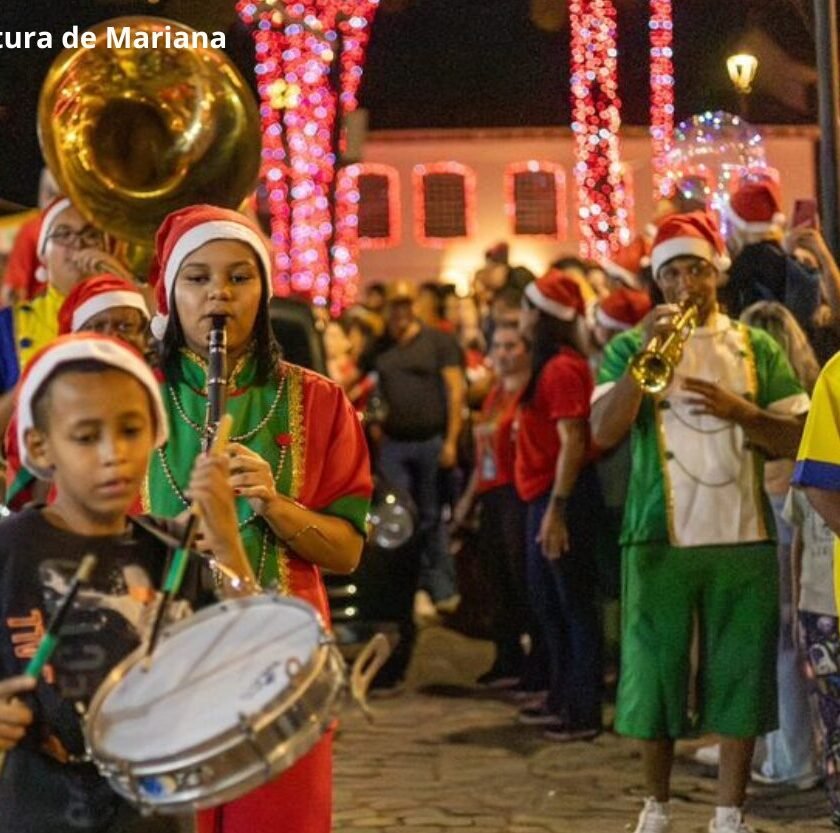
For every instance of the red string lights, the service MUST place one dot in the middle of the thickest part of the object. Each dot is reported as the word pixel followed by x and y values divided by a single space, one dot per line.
pixel 309 66
pixel 596 118
pixel 661 91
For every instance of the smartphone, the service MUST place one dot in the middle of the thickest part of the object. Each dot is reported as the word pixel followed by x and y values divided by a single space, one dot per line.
pixel 805 214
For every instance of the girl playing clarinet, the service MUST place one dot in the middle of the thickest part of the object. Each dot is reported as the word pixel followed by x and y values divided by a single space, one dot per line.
pixel 299 463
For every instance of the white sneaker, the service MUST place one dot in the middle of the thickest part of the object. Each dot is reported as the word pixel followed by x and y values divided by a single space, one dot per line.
pixel 654 818
pixel 425 613
pixel 708 755
pixel 729 820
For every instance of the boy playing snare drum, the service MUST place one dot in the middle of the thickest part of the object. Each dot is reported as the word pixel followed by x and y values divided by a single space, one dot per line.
pixel 90 415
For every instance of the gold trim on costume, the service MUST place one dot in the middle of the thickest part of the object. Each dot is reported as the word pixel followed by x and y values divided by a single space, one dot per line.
pixel 294 382
pixel 758 468
pixel 667 486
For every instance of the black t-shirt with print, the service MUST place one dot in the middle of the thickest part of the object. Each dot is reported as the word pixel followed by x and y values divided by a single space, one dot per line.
pixel 39 790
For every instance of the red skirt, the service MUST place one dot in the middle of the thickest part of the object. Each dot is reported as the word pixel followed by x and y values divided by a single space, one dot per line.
pixel 299 801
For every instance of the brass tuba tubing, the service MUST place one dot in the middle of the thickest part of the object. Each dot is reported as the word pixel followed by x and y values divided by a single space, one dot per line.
pixel 653 368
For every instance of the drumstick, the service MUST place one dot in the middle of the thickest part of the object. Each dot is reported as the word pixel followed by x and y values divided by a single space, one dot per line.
pixel 180 558
pixel 49 641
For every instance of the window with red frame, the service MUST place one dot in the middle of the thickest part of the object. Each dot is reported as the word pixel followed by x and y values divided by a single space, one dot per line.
pixel 444 203
pixel 379 206
pixel 535 198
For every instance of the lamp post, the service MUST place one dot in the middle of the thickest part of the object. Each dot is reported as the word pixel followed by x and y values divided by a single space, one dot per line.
pixel 742 68
pixel 825 37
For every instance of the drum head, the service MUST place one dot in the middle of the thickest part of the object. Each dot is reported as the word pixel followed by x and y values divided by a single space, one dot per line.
pixel 231 661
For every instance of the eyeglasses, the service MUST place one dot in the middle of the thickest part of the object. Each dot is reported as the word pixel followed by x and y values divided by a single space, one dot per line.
pixel 695 271
pixel 86 238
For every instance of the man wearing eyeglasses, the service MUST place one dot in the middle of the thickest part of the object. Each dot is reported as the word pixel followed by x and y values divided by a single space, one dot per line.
pixel 69 250
pixel 697 534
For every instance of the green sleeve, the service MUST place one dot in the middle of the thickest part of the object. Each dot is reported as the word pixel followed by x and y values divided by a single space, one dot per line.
pixel 776 378
pixel 617 355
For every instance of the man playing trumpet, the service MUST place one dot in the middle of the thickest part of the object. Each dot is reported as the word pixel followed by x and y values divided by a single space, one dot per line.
pixel 697 535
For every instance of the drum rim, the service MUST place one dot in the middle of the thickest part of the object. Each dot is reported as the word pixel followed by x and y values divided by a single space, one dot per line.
pixel 230 737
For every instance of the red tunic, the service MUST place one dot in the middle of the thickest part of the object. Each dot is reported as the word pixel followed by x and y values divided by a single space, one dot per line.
pixel 335 475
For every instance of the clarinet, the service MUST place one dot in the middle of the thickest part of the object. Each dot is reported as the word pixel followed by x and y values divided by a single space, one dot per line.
pixel 216 381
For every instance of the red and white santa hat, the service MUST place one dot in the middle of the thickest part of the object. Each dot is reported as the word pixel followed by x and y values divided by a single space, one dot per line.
pixel 622 309
pixel 557 294
pixel 80 347
pixel 184 231
pixel 626 264
pixel 756 207
pixel 95 295
pixel 48 218
pixel 695 234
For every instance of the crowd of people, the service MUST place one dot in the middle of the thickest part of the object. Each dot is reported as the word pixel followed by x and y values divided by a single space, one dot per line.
pixel 695 498
pixel 586 493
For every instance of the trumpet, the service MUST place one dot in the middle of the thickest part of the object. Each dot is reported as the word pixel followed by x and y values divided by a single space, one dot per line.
pixel 653 368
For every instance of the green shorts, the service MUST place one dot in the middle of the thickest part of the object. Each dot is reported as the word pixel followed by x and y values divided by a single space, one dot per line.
pixel 733 593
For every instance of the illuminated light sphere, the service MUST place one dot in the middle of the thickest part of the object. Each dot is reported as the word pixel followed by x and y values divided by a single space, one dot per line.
pixel 711 153
pixel 309 58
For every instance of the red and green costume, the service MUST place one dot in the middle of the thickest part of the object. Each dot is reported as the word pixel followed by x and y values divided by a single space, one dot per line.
pixel 305 428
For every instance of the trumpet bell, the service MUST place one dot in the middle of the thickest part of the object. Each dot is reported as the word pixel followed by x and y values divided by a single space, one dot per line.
pixel 652 372
pixel 653 368
pixel 133 134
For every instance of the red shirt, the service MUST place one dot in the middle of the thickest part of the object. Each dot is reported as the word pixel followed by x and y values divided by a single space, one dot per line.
pixel 494 444
pixel 563 391
pixel 23 261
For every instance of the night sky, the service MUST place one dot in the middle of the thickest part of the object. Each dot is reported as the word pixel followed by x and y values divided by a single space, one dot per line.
pixel 442 63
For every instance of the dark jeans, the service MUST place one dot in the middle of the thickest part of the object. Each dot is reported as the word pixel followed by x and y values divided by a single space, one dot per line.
pixel 412 466
pixel 563 596
pixel 501 540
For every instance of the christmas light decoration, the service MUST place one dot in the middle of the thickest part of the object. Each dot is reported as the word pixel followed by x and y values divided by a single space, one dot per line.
pixel 462 202
pixel 711 153
pixel 661 91
pixel 559 176
pixel 309 65
pixel 596 118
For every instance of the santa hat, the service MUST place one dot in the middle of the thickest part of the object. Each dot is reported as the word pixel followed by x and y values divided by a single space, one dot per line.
pixel 626 264
pixel 94 295
pixel 756 207
pixel 622 309
pixel 186 230
pixel 557 294
pixel 498 253
pixel 81 347
pixel 48 218
pixel 694 234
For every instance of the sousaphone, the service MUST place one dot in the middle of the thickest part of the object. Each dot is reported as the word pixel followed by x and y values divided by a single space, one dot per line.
pixel 133 134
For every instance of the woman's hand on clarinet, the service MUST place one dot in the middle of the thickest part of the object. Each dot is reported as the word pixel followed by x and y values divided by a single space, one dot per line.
pixel 15 718
pixel 251 477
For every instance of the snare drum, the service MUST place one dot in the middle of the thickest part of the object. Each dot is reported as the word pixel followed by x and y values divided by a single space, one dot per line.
pixel 232 697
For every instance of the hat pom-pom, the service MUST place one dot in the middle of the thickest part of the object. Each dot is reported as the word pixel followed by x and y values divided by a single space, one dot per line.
pixel 41 274
pixel 158 325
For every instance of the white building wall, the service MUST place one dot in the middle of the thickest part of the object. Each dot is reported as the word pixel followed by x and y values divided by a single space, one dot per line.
pixel 488 152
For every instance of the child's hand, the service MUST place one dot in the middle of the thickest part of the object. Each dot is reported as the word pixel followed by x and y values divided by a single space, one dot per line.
pixel 210 489
pixel 14 716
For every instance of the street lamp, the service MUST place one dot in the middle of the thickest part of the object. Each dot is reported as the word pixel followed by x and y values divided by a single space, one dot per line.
pixel 742 68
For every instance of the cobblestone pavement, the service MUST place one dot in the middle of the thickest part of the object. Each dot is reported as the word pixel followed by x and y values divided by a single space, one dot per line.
pixel 448 757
